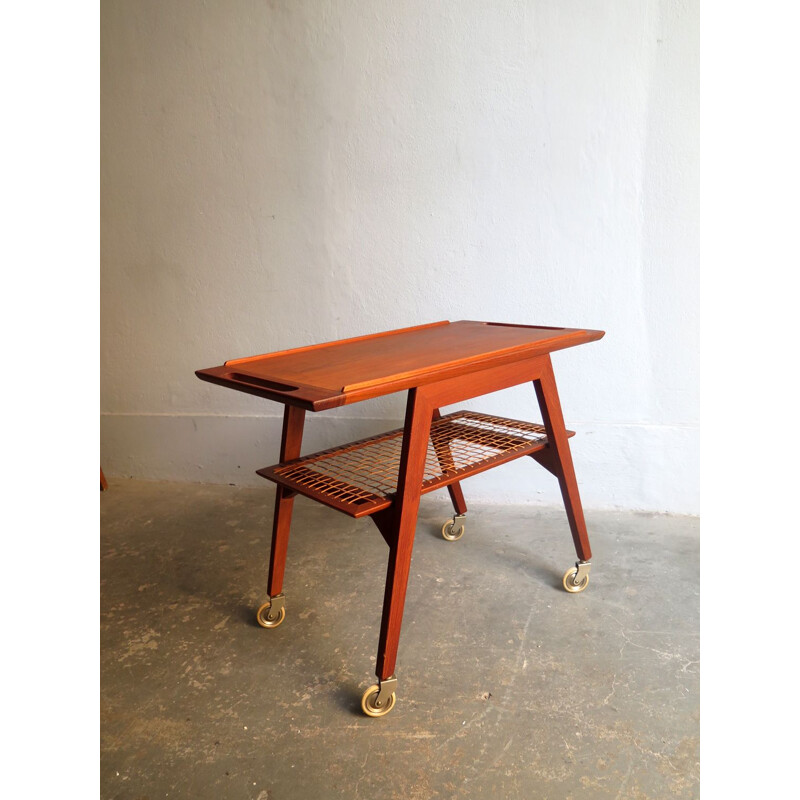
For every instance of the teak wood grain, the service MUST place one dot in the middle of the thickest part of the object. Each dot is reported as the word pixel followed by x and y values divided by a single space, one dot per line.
pixel 332 374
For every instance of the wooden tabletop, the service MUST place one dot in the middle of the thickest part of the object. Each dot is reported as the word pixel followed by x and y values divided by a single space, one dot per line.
pixel 335 373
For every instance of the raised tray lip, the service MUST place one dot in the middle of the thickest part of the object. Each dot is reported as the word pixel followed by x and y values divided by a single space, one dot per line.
pixel 318 398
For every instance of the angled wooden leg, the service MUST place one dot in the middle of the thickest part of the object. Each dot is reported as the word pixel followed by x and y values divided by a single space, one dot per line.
pixel 561 462
pixel 291 439
pixel 271 614
pixel 446 462
pixel 406 504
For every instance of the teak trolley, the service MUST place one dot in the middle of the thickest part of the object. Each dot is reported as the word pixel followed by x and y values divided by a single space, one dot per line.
pixel 384 476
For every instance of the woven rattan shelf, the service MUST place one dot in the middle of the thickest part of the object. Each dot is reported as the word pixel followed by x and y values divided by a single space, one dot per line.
pixel 360 478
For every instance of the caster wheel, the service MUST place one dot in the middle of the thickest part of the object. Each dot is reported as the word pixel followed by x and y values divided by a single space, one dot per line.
pixel 265 620
pixel 450 534
pixel 569 581
pixel 368 702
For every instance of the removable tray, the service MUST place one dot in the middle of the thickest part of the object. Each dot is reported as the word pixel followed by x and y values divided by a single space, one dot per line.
pixel 323 376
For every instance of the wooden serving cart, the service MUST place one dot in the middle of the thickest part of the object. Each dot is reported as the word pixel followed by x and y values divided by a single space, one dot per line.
pixel 384 476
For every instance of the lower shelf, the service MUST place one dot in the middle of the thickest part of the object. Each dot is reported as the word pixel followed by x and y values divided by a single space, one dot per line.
pixel 360 478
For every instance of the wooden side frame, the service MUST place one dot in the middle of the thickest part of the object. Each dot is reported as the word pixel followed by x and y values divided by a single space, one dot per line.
pixel 397 523
pixel 399 529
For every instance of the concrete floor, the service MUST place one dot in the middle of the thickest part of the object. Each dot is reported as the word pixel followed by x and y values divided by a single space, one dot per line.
pixel 508 686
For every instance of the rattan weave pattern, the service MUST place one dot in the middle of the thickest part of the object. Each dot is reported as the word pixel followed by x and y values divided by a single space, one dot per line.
pixel 362 475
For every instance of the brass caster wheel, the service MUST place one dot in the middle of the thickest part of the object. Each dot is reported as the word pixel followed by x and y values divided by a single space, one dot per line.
pixel 373 707
pixel 269 617
pixel 449 530
pixel 574 584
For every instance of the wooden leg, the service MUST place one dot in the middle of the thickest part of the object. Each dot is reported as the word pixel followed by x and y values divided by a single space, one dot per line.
pixel 291 439
pixel 457 498
pixel 547 395
pixel 419 413
pixel 446 462
pixel 103 481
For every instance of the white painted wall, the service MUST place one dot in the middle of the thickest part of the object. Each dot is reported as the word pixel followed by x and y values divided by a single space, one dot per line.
pixel 281 173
